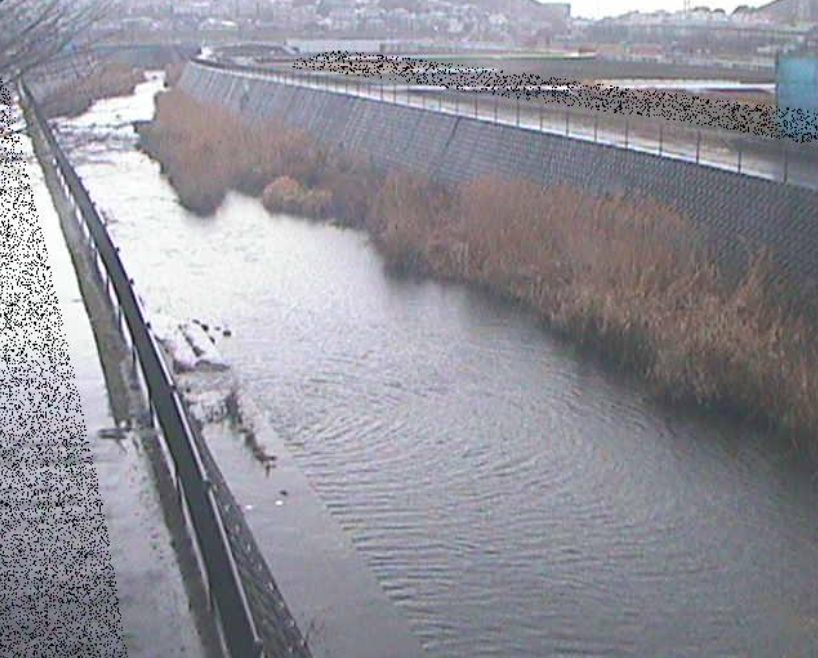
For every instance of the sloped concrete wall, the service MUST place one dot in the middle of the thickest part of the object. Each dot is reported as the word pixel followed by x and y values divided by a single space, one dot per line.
pixel 732 209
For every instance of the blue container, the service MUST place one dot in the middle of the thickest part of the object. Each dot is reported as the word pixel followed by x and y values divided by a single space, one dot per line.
pixel 796 90
pixel 797 81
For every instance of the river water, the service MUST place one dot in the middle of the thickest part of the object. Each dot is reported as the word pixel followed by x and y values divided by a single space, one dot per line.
pixel 514 498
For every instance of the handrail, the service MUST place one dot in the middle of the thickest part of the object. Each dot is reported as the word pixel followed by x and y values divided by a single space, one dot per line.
pixel 776 154
pixel 224 583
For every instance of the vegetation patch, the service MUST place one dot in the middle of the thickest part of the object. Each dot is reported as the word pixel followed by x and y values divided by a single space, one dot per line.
pixel 285 194
pixel 106 81
pixel 623 273
pixel 205 151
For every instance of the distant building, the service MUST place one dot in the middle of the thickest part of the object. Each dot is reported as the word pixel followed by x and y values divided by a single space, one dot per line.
pixel 314 46
pixel 556 14
pixel 701 32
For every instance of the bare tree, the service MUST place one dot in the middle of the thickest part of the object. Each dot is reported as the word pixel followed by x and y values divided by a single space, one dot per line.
pixel 37 31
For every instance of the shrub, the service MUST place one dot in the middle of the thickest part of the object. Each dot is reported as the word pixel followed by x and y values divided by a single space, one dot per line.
pixel 285 194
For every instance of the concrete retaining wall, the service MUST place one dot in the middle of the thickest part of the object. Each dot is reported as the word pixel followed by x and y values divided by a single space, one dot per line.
pixel 733 209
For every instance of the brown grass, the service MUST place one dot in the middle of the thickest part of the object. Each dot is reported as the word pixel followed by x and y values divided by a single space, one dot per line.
pixel 206 151
pixel 285 194
pixel 106 81
pixel 625 274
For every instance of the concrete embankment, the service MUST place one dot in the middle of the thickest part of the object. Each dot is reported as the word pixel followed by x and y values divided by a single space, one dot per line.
pixel 737 213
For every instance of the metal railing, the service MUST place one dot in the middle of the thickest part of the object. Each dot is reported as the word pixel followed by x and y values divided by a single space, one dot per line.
pixel 225 589
pixel 773 159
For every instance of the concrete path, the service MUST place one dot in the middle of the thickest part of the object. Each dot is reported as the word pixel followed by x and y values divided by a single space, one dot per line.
pixel 87 564
pixel 57 582
pixel 156 615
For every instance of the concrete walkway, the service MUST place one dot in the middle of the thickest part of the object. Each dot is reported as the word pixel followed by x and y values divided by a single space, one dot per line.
pixel 57 583
pixel 87 563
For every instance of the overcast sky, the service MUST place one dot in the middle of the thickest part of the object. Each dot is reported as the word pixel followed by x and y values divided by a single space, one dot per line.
pixel 600 8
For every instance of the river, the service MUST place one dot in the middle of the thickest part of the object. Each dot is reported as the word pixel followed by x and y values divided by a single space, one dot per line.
pixel 513 497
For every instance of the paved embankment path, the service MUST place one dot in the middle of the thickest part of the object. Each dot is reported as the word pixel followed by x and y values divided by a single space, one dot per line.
pixel 158 616
pixel 57 583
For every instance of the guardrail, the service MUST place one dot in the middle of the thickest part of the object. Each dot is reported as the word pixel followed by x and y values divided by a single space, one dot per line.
pixel 224 585
pixel 773 159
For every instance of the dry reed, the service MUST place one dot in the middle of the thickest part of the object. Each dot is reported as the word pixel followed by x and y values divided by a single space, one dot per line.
pixel 205 150
pixel 106 81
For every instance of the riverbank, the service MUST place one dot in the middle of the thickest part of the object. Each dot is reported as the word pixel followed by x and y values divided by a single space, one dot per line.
pixel 625 274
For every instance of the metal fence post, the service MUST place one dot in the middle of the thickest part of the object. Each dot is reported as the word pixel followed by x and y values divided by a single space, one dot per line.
pixel 496 107
pixel 518 111
pixel 541 117
pixel 786 162
pixel 475 106
pixel 627 126
pixel 738 165
pixel 596 127
pixel 567 122
pixel 179 492
pixel 661 137
pixel 698 145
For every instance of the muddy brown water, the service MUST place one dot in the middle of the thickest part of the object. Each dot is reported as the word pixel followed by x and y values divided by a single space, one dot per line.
pixel 513 497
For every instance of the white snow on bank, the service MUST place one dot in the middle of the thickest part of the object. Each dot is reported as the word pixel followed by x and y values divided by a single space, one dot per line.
pixel 189 345
pixel 203 345
pixel 169 334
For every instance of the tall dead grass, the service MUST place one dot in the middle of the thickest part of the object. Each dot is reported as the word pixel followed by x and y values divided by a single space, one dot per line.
pixel 626 274
pixel 106 81
pixel 205 151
